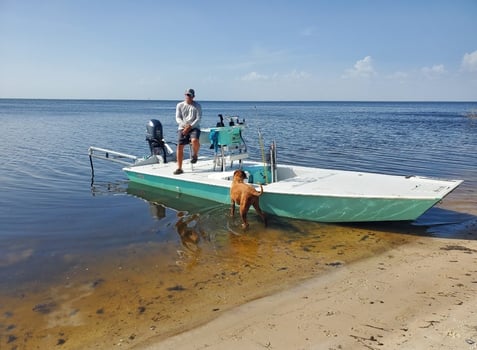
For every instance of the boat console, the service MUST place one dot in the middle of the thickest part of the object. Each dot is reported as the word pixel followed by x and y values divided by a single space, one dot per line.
pixel 228 145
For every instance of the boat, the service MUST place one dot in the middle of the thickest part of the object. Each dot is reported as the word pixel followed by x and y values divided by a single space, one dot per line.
pixel 290 191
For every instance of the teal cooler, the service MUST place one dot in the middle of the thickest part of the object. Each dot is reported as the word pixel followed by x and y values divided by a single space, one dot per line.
pixel 259 175
pixel 228 135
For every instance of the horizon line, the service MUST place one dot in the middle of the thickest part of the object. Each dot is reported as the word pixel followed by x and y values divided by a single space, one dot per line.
pixel 244 101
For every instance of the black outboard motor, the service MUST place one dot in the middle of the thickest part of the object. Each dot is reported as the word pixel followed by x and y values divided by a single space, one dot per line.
pixel 155 138
pixel 221 122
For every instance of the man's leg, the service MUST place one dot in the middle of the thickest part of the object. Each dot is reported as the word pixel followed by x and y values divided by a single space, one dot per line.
pixel 180 155
pixel 194 135
pixel 195 147
pixel 181 141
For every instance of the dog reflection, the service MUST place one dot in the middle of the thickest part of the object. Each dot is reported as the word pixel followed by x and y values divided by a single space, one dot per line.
pixel 188 233
pixel 158 210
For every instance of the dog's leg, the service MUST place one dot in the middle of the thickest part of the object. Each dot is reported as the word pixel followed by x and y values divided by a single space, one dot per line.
pixel 243 215
pixel 260 212
pixel 232 209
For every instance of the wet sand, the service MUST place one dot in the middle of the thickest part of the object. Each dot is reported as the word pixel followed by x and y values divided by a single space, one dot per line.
pixel 292 285
pixel 421 295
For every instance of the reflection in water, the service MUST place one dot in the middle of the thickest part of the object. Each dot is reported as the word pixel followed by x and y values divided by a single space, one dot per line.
pixel 188 230
pixel 158 210
pixel 99 188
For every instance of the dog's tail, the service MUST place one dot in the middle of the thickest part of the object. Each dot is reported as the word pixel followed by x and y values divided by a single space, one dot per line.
pixel 258 194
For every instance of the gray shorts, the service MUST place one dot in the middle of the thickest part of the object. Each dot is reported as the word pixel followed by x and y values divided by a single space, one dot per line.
pixel 185 139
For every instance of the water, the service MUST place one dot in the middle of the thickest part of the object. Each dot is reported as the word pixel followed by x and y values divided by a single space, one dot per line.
pixel 73 256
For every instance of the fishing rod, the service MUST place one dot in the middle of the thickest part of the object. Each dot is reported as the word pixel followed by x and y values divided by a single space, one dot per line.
pixel 262 151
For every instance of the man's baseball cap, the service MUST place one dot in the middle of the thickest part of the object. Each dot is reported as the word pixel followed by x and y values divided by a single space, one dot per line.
pixel 190 92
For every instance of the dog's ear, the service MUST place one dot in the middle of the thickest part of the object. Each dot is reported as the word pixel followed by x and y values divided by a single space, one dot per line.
pixel 236 172
pixel 244 174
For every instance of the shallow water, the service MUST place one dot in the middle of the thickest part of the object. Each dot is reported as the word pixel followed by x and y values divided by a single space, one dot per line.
pixel 116 263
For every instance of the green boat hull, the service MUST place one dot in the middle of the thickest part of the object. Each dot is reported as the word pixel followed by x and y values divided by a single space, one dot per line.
pixel 304 207
pixel 207 191
pixel 344 209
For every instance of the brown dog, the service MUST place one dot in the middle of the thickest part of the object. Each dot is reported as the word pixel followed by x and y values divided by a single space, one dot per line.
pixel 245 195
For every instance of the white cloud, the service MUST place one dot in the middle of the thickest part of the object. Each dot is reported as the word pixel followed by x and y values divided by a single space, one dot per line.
pixel 254 76
pixel 361 69
pixel 469 62
pixel 434 71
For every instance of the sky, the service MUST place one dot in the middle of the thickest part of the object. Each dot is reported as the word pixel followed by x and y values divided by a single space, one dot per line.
pixel 258 50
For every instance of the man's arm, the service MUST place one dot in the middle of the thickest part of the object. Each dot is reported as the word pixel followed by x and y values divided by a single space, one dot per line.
pixel 179 117
pixel 199 116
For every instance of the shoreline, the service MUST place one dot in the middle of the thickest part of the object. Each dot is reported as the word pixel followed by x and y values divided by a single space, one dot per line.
pixel 420 295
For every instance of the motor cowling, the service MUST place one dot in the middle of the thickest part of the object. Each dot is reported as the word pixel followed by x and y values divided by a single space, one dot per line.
pixel 154 130
pixel 155 138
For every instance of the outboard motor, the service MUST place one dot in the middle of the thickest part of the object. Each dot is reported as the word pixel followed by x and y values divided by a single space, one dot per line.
pixel 155 138
pixel 221 122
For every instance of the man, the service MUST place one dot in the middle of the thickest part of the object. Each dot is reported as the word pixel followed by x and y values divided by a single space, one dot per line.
pixel 188 114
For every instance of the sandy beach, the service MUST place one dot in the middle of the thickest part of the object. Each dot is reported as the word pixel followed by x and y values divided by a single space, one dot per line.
pixel 421 295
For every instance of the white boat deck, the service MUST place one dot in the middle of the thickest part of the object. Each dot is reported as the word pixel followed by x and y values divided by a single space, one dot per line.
pixel 299 180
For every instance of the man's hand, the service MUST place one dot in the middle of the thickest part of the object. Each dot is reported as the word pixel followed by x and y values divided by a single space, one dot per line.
pixel 186 129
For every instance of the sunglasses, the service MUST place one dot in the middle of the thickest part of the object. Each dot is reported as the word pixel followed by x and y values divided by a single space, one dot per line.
pixel 190 95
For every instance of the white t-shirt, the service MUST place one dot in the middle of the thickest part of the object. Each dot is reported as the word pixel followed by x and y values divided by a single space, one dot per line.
pixel 188 114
